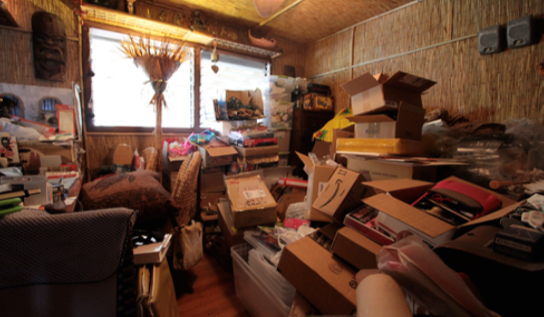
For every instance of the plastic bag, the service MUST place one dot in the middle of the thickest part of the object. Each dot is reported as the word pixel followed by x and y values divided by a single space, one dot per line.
pixel 296 210
pixel 423 275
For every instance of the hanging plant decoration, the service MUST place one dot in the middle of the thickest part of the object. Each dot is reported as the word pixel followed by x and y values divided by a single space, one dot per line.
pixel 159 62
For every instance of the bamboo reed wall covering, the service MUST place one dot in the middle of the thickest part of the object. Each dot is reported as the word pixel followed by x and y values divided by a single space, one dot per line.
pixel 486 88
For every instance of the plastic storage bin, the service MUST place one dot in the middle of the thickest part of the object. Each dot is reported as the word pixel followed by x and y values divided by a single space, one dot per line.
pixel 252 290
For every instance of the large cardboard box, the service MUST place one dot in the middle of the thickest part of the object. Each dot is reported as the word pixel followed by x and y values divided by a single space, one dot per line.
pixel 373 94
pixel 318 176
pixel 373 170
pixel 320 277
pixel 250 201
pixel 397 215
pixel 355 248
pixel 232 235
pixel 342 193
pixel 211 180
pixel 216 156
pixel 404 124
pixel 378 147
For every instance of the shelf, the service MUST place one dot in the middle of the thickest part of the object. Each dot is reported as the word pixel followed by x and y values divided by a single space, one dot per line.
pixel 116 18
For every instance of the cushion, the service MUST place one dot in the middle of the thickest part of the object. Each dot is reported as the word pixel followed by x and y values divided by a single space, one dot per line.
pixel 139 190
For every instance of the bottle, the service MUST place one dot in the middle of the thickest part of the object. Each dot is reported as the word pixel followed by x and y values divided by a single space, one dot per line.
pixel 295 97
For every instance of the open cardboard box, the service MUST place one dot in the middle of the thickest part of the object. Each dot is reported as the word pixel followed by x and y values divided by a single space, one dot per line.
pixel 320 277
pixel 373 94
pixel 318 176
pixel 216 156
pixel 408 124
pixel 397 214
pixel 250 201
pixel 342 193
pixel 355 248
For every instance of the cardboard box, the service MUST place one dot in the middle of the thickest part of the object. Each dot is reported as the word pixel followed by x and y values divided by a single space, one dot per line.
pixel 257 151
pixel 373 170
pixel 378 147
pixel 212 180
pixel 174 163
pixel 322 279
pixel 342 193
pixel 355 248
pixel 373 94
pixel 232 235
pixel 216 156
pixel 397 215
pixel 407 125
pixel 250 201
pixel 318 176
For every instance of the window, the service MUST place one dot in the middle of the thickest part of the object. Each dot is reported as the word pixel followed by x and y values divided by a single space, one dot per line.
pixel 121 99
pixel 235 73
pixel 121 94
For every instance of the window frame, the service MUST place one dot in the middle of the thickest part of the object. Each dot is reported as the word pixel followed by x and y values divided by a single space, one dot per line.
pixel 197 48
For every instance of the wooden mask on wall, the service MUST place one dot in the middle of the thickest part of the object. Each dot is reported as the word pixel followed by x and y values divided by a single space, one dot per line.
pixel 49 41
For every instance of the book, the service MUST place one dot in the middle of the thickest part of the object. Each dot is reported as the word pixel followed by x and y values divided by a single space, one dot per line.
pixel 20 193
pixel 153 252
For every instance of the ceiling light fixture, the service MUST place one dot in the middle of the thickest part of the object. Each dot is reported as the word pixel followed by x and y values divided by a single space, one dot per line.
pixel 266 8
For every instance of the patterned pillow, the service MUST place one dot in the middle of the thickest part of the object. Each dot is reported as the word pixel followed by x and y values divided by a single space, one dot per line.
pixel 139 190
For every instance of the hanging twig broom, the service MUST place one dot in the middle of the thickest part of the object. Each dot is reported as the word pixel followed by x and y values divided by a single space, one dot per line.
pixel 159 62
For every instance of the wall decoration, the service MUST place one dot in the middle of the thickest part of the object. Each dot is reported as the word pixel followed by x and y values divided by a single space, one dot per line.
pixel 261 42
pixel 5 17
pixel 159 62
pixel 197 23
pixel 112 4
pixel 49 43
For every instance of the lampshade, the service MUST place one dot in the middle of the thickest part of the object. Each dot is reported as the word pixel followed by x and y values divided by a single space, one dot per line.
pixel 266 8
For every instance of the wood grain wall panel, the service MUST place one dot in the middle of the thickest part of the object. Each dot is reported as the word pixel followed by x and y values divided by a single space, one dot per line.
pixel 485 88
pixel 293 55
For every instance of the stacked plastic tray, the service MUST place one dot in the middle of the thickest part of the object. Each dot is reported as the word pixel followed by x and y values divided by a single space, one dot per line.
pixel 260 287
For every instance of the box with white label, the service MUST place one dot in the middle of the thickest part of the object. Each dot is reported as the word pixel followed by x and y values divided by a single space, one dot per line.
pixel 250 201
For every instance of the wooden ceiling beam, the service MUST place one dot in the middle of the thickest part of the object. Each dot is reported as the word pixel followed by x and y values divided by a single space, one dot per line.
pixel 277 14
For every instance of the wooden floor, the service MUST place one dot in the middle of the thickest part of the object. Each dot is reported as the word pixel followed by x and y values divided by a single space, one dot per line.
pixel 213 291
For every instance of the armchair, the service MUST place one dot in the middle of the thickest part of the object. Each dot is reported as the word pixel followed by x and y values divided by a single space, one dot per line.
pixel 71 264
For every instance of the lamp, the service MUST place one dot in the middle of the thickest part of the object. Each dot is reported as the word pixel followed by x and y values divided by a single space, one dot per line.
pixel 266 8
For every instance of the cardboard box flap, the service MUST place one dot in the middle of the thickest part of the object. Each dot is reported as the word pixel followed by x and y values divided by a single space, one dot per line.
pixel 221 151
pixel 409 82
pixel 381 77
pixel 493 215
pixel 406 109
pixel 406 190
pixel 389 186
pixel 371 118
pixel 409 215
pixel 306 160
pixel 361 83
